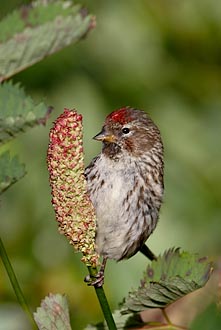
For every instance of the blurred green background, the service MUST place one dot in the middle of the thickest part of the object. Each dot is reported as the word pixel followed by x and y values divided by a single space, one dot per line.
pixel 161 56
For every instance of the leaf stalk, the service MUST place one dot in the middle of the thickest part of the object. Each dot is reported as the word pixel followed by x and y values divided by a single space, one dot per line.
pixel 16 287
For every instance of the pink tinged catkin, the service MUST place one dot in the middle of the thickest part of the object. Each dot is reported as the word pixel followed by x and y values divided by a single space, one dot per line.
pixel 73 208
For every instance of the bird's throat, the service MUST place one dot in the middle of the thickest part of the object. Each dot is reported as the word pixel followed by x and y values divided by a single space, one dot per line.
pixel 111 150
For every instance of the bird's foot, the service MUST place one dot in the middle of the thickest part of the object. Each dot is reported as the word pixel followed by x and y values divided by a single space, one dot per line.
pixel 97 281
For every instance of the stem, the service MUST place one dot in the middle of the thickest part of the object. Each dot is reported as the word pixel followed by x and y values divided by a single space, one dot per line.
pixel 103 302
pixel 166 316
pixel 14 282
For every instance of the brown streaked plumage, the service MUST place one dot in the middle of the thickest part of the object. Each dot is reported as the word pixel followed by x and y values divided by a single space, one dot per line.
pixel 125 184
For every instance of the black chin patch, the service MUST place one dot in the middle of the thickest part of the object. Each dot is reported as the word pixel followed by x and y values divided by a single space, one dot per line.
pixel 111 150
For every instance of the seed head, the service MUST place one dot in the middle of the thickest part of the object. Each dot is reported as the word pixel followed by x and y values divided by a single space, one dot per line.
pixel 73 208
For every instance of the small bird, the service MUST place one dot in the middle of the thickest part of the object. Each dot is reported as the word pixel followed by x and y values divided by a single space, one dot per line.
pixel 125 185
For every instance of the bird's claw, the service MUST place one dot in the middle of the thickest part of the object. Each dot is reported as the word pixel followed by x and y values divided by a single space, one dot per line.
pixel 96 281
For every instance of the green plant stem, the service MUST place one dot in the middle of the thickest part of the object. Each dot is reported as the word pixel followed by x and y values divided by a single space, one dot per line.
pixel 103 302
pixel 14 282
pixel 166 316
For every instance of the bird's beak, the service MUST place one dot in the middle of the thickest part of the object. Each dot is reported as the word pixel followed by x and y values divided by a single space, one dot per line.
pixel 105 137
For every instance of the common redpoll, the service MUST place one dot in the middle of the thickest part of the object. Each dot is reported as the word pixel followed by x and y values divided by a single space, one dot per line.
pixel 125 185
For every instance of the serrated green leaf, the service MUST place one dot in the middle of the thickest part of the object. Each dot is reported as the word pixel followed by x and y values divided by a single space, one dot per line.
pixel 31 33
pixel 32 16
pixel 18 111
pixel 171 277
pixel 53 313
pixel 11 170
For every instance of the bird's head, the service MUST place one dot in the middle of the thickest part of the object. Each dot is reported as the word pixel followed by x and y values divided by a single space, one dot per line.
pixel 128 130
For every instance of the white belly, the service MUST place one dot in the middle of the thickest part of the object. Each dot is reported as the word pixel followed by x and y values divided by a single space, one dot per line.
pixel 116 229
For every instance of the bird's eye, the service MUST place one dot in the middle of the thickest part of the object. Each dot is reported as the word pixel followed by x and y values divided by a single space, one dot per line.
pixel 125 130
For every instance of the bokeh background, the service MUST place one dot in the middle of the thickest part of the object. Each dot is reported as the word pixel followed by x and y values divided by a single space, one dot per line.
pixel 161 56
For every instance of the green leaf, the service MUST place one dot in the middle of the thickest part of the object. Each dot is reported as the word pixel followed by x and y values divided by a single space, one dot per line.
pixel 33 32
pixel 18 111
pixel 171 277
pixel 209 319
pixel 53 313
pixel 11 170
